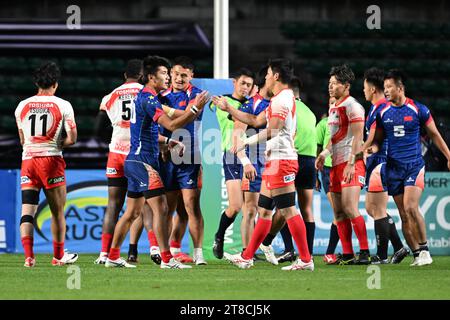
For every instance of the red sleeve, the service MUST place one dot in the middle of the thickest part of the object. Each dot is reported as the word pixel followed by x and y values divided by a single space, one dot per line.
pixel 158 113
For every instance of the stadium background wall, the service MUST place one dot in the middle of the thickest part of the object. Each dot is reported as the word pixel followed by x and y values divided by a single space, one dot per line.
pixel 87 199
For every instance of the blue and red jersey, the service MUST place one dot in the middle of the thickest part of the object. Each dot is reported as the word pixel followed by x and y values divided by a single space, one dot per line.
pixel 371 122
pixel 402 126
pixel 144 127
pixel 180 100
pixel 255 105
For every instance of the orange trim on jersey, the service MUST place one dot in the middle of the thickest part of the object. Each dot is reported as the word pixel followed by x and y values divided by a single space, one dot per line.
pixel 149 90
pixel 280 116
pixel 158 114
pixel 430 119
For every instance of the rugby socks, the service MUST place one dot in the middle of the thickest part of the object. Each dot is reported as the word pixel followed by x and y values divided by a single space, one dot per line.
pixel 298 231
pixel 114 253
pixel 175 247
pixel 166 256
pixel 225 222
pixel 344 229
pixel 152 239
pixel 382 232
pixel 262 228
pixel 393 235
pixel 268 240
pixel 58 250
pixel 310 231
pixel 416 253
pixel 423 246
pixel 27 243
pixel 359 226
pixel 334 239
pixel 106 241
pixel 132 250
pixel 287 239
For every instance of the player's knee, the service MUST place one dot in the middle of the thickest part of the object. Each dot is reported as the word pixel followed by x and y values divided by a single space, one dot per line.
pixel 234 209
pixel 411 210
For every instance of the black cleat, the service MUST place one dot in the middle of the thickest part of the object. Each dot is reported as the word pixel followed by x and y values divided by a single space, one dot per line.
pixel 377 260
pixel 363 258
pixel 346 260
pixel 218 248
pixel 288 256
pixel 399 255
pixel 156 258
pixel 132 258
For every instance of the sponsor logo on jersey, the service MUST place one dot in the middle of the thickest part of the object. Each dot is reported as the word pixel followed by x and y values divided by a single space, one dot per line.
pixel 111 171
pixel 55 180
pixel 141 184
pixel 410 179
pixel 190 181
pixel 408 118
pixel 362 179
pixel 24 180
pixel 388 120
pixel 289 178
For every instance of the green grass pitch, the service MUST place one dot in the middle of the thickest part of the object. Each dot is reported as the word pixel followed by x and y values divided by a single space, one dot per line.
pixel 220 280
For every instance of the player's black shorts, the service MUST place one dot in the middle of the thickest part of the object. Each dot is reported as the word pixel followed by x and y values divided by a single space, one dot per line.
pixel 306 175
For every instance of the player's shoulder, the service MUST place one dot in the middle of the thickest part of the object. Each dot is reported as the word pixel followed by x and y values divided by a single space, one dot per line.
pixel 352 102
pixel 416 104
pixel 285 96
pixel 193 90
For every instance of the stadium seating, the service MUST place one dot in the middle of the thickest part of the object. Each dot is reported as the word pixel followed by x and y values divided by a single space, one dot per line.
pixel 420 49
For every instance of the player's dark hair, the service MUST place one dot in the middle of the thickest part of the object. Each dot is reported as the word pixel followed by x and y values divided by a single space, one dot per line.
pixel 398 76
pixel 296 84
pixel 284 68
pixel 260 78
pixel 134 69
pixel 151 65
pixel 243 72
pixel 47 75
pixel 343 74
pixel 375 77
pixel 185 62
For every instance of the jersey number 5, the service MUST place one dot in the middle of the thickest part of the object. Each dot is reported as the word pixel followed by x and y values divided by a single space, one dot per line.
pixel 126 110
pixel 399 131
pixel 32 119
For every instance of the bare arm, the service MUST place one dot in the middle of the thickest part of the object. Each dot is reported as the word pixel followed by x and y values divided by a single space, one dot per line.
pixel 188 114
pixel 172 112
pixel 71 138
pixel 247 118
pixel 21 137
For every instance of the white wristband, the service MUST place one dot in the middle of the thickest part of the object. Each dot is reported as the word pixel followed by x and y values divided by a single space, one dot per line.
pixel 194 108
pixel 325 153
pixel 193 111
pixel 245 161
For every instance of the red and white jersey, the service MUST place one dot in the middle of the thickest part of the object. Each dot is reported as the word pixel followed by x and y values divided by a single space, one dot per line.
pixel 119 105
pixel 281 146
pixel 340 117
pixel 41 119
